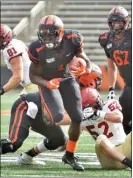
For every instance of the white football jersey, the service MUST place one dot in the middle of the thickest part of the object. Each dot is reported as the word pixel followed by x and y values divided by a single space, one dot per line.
pixel 15 48
pixel 114 131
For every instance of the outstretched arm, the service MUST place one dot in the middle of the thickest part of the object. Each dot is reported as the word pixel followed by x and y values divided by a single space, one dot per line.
pixel 17 71
pixel 112 73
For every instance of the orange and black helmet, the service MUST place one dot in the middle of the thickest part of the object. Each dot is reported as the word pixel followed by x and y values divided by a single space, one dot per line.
pixel 118 14
pixel 51 31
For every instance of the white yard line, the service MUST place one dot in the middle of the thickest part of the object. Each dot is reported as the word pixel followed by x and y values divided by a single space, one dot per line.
pixel 87 158
pixel 33 176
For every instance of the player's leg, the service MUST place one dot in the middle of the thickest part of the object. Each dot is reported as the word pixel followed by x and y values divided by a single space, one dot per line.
pixel 54 138
pixel 126 103
pixel 109 156
pixel 72 102
pixel 126 147
pixel 18 129
pixel 52 105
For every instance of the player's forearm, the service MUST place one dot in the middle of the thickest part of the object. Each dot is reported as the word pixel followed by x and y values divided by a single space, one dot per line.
pixel 12 84
pixel 112 76
pixel 82 55
pixel 114 117
pixel 38 80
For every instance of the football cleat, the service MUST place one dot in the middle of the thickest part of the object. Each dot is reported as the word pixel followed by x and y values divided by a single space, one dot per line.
pixel 25 159
pixel 73 162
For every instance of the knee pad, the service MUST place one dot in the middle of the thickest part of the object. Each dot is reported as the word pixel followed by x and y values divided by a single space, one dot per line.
pixel 54 144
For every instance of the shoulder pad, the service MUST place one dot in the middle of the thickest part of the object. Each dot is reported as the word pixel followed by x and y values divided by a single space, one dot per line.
pixel 33 51
pixel 103 38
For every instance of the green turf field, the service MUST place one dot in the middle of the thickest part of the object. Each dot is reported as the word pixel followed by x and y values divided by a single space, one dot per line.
pixel 54 167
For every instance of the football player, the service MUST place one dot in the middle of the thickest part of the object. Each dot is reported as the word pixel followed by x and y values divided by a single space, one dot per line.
pixel 117 44
pixel 51 54
pixel 26 113
pixel 103 121
pixel 92 80
pixel 15 54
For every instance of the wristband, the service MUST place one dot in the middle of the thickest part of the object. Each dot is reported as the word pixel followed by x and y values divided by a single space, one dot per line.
pixel 111 89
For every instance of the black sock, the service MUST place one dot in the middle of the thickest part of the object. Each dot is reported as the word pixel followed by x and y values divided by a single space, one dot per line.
pixel 69 155
pixel 127 162
pixel 31 152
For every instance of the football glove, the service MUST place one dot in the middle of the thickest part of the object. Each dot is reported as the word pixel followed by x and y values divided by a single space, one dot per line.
pixel 111 94
pixel 78 71
pixel 54 83
pixel 88 112
pixel 2 91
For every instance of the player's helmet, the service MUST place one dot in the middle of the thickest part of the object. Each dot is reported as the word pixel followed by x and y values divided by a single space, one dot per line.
pixel 93 79
pixel 51 31
pixel 91 97
pixel 5 35
pixel 118 14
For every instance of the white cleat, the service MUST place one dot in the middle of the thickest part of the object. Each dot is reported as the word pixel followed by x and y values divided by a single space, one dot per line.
pixel 25 159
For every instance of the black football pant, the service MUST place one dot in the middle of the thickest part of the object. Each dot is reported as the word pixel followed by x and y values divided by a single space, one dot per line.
pixel 126 103
pixel 66 96
pixel 20 125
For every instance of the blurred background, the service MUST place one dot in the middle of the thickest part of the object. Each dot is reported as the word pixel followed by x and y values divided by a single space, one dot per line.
pixel 87 16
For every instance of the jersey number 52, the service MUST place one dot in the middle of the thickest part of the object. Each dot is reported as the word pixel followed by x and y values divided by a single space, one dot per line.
pixel 103 125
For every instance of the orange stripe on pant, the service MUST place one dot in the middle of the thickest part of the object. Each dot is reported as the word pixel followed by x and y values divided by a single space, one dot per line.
pixel 19 123
pixel 45 106
pixel 15 120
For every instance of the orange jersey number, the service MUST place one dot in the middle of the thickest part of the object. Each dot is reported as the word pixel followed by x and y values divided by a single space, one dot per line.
pixel 121 57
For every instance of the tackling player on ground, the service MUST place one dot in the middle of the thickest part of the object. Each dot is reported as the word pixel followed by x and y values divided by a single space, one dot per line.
pixel 104 122
pixel 117 43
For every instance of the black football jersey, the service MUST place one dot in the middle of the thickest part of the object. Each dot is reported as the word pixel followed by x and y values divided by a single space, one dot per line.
pixel 120 53
pixel 54 62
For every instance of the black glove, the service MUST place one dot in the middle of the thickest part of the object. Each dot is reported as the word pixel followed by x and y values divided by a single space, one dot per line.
pixel 111 94
pixel 2 91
